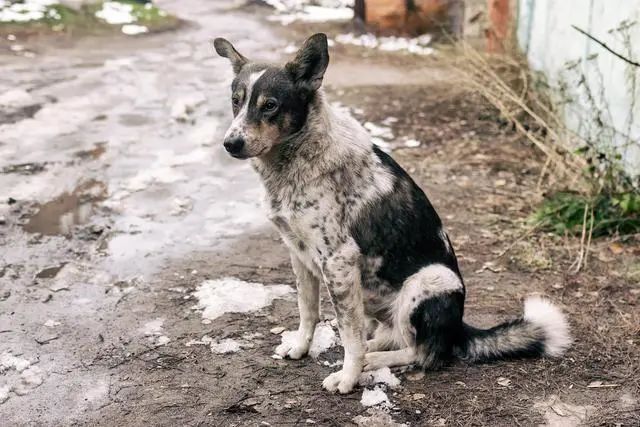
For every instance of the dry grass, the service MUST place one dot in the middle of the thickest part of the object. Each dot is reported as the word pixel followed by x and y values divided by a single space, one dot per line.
pixel 507 83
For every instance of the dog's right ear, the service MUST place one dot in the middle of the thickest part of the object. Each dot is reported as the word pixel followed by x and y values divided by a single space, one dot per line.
pixel 226 50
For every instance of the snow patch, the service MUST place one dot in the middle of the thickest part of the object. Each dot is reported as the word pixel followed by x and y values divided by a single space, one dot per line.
pixel 183 107
pixel 374 397
pixel 133 29
pixel 154 332
pixel 411 143
pixel 379 376
pixel 50 323
pixel 19 376
pixel 28 10
pixel 226 345
pixel 16 98
pixel 324 338
pixel 377 417
pixel 114 13
pixel 288 11
pixel 416 45
pixel 380 135
pixel 230 295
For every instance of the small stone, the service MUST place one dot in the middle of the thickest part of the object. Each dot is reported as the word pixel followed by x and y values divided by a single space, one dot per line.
pixel 418 396
pixel 3 220
pixel 277 330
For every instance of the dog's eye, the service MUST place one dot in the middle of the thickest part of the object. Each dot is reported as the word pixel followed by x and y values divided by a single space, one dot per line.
pixel 270 106
pixel 235 101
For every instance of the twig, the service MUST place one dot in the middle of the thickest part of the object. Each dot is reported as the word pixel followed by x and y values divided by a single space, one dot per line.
pixel 625 59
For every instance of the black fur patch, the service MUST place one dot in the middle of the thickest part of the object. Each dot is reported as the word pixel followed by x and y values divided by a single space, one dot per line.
pixel 293 105
pixel 403 228
pixel 438 325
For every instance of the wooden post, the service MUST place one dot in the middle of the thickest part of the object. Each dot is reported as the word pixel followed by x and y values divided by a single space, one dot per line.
pixel 499 25
pixel 360 11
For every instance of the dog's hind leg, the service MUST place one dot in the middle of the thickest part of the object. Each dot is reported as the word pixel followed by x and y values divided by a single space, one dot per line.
pixel 309 307
pixel 342 277
pixel 427 319
pixel 381 359
pixel 382 339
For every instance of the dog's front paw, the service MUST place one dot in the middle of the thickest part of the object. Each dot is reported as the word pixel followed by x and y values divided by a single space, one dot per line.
pixel 340 381
pixel 295 351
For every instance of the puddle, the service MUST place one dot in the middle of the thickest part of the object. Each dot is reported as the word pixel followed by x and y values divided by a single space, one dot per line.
pixel 95 153
pixel 58 216
pixel 50 272
pixel 133 119
pixel 24 168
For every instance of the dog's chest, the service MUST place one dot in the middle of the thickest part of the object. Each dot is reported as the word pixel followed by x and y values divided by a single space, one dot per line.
pixel 308 226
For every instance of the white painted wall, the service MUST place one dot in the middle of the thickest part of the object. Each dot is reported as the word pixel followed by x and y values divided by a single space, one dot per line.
pixel 591 84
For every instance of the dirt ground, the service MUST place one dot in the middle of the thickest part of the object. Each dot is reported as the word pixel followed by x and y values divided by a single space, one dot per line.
pixel 122 260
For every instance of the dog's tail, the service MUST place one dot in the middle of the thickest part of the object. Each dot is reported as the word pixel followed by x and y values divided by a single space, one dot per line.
pixel 542 330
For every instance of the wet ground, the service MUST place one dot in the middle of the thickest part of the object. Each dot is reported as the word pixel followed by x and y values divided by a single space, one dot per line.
pixel 119 210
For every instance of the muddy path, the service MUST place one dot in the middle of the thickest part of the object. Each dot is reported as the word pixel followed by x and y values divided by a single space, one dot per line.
pixel 120 215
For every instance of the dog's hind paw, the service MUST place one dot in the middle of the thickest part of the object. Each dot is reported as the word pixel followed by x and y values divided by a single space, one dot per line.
pixel 341 382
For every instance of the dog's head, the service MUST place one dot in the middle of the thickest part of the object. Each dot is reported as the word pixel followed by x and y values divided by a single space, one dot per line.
pixel 271 103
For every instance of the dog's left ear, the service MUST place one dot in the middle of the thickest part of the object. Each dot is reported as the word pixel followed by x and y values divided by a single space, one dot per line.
pixel 226 50
pixel 311 61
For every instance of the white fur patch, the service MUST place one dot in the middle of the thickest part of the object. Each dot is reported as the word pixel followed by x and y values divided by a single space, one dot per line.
pixel 544 314
pixel 238 123
pixel 429 281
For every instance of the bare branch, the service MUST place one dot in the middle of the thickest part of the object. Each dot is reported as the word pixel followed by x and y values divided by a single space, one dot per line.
pixel 625 59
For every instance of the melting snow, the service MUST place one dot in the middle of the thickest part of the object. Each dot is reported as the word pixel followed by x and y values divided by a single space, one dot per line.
pixel 29 10
pixel 416 45
pixel 380 135
pixel 323 339
pixel 288 11
pixel 379 376
pixel 226 345
pixel 19 375
pixel 186 105
pixel 153 331
pixel 114 12
pixel 411 143
pixel 229 295
pixel 374 397
pixel 133 29
pixel 377 417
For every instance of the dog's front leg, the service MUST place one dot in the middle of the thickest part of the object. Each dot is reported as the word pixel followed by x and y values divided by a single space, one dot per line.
pixel 342 277
pixel 309 307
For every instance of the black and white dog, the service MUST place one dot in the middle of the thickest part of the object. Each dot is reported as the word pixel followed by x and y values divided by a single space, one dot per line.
pixel 355 221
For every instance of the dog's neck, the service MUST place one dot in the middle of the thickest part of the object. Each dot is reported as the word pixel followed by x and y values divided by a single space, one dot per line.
pixel 327 141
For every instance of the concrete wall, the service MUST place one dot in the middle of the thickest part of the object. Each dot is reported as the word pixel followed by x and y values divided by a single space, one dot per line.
pixel 599 93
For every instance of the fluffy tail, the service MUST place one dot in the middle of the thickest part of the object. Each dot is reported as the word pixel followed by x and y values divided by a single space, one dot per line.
pixel 543 330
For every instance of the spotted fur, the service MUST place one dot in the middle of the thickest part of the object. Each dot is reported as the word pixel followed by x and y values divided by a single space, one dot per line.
pixel 356 222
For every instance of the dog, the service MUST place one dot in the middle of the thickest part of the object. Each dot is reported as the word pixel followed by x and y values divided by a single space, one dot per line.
pixel 356 222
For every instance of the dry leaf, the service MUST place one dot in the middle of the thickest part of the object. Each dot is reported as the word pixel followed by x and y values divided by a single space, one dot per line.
pixel 505 382
pixel 616 248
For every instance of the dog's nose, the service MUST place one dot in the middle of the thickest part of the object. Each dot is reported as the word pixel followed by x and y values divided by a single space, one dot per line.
pixel 234 145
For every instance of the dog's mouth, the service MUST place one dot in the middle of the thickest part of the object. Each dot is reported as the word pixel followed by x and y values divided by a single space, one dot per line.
pixel 244 156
